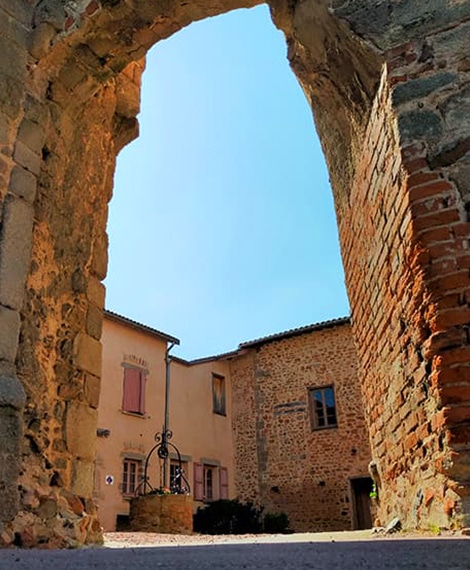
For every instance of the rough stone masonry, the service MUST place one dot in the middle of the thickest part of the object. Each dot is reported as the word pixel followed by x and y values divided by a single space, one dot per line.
pixel 388 83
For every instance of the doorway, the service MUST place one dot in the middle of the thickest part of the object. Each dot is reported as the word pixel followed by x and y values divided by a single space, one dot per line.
pixel 360 492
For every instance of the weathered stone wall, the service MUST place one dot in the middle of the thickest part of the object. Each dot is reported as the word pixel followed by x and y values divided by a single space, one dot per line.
pixel 404 232
pixel 282 464
pixel 172 514
pixel 388 84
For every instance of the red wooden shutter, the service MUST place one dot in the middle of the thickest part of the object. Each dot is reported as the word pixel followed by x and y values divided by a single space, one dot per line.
pixel 198 482
pixel 223 482
pixel 142 381
pixel 131 394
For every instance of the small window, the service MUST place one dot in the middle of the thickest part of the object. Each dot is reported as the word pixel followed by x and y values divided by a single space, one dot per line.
pixel 209 483
pixel 178 476
pixel 218 394
pixel 131 475
pixel 322 407
pixel 133 400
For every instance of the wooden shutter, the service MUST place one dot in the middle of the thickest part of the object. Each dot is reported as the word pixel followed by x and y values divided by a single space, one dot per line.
pixel 142 381
pixel 132 399
pixel 223 482
pixel 198 482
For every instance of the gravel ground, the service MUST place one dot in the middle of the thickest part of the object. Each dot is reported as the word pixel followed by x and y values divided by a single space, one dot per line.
pixel 144 539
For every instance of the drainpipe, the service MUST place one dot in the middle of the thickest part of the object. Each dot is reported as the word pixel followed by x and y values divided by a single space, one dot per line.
pixel 166 425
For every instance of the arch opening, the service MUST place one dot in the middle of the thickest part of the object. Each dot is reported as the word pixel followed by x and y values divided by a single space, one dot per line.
pixel 387 98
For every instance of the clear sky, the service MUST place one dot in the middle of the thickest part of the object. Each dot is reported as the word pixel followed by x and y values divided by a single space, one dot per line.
pixel 222 226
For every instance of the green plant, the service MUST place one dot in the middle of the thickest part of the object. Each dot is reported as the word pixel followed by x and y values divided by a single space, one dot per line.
pixel 276 523
pixel 228 517
pixel 373 494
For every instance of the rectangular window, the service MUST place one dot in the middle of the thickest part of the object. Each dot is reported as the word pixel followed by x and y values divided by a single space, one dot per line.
pixel 322 407
pixel 218 394
pixel 131 476
pixel 178 476
pixel 133 399
pixel 208 482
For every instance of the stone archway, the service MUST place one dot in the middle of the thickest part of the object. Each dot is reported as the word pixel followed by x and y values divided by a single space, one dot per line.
pixel 387 84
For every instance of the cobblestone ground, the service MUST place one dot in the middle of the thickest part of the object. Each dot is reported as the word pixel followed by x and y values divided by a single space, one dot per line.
pixel 332 551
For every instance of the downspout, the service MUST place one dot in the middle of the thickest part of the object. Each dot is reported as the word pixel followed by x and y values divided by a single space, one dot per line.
pixel 166 425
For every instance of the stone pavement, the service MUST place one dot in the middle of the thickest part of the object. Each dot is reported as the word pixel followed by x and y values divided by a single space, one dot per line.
pixel 296 552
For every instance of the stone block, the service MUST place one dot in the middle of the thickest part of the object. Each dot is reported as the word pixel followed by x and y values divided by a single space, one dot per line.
pixel 87 353
pixel 96 292
pixel 9 472
pixel 92 390
pixel 41 39
pixel 11 392
pixel 417 125
pixel 21 10
pixel 9 332
pixel 32 135
pixel 82 478
pixel 127 97
pixel 15 32
pixel 15 250
pixel 99 263
pixel 81 422
pixel 11 94
pixel 23 184
pixel 27 157
pixel 10 430
pixel 94 322
pixel 421 87
pixel 12 57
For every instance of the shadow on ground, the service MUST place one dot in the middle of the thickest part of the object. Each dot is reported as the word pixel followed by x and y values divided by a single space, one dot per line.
pixel 442 553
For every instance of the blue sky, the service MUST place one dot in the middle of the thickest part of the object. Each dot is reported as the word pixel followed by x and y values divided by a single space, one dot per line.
pixel 222 226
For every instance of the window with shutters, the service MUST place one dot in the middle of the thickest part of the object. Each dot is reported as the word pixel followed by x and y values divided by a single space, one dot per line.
pixel 210 482
pixel 131 475
pixel 133 400
pixel 322 407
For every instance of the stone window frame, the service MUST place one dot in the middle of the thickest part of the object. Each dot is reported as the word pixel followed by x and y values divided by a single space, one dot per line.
pixel 314 421
pixel 139 473
pixel 205 472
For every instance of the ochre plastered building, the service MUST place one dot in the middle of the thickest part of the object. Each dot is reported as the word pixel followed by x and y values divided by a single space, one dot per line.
pixel 134 354
pixel 279 422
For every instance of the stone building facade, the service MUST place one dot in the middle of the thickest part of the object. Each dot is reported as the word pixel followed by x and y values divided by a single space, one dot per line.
pixel 388 86
pixel 300 436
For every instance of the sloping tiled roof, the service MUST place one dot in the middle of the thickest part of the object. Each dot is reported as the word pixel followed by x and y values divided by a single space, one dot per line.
pixel 221 356
pixel 139 326
pixel 295 332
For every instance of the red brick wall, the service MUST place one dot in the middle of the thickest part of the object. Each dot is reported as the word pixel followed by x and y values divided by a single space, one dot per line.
pixel 404 233
pixel 281 463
